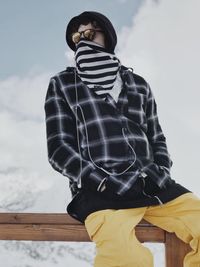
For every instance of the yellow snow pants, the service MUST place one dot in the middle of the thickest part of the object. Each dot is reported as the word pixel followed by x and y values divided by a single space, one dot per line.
pixel 113 232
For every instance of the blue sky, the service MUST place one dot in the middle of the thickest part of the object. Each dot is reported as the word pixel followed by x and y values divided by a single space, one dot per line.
pixel 33 32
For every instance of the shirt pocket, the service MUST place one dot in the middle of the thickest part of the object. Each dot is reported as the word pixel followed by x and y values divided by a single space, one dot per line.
pixel 94 223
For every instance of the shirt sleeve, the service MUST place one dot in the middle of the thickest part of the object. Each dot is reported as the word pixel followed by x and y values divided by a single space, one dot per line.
pixel 62 145
pixel 155 134
pixel 159 169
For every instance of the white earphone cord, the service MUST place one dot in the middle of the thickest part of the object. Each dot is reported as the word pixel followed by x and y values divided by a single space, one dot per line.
pixel 110 173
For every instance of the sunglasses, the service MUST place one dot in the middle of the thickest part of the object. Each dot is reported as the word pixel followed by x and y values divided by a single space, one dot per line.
pixel 88 34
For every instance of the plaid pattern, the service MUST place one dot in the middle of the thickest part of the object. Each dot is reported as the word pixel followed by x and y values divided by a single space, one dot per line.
pixel 108 136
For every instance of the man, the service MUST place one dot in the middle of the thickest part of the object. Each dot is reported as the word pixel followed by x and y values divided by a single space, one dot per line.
pixel 103 133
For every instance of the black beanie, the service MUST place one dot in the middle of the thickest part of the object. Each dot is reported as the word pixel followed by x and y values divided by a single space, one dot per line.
pixel 104 23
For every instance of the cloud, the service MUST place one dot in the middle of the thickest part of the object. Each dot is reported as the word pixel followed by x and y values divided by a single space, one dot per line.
pixel 22 117
pixel 162 45
pixel 69 54
pixel 24 167
pixel 23 97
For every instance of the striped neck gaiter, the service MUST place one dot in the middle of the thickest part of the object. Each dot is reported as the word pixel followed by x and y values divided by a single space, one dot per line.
pixel 96 67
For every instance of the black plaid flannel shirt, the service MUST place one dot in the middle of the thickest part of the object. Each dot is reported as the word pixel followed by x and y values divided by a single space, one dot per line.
pixel 136 110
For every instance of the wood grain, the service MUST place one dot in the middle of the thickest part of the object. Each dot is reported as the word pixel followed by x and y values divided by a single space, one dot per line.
pixel 62 227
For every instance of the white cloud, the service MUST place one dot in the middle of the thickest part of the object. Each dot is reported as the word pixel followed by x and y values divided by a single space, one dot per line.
pixel 69 54
pixel 163 46
pixel 23 97
pixel 24 163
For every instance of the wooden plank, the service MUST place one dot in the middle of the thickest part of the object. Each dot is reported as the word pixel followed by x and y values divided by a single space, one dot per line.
pixel 58 232
pixel 43 232
pixel 50 218
pixel 150 234
pixel 175 250
pixel 60 227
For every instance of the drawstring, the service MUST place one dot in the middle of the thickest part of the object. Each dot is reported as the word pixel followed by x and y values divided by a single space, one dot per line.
pixel 79 180
pixel 110 173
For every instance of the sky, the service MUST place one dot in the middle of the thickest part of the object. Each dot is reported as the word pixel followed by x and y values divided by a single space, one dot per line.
pixel 160 40
pixel 33 32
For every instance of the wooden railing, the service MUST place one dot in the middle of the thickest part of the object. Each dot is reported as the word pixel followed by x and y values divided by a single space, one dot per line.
pixel 62 227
